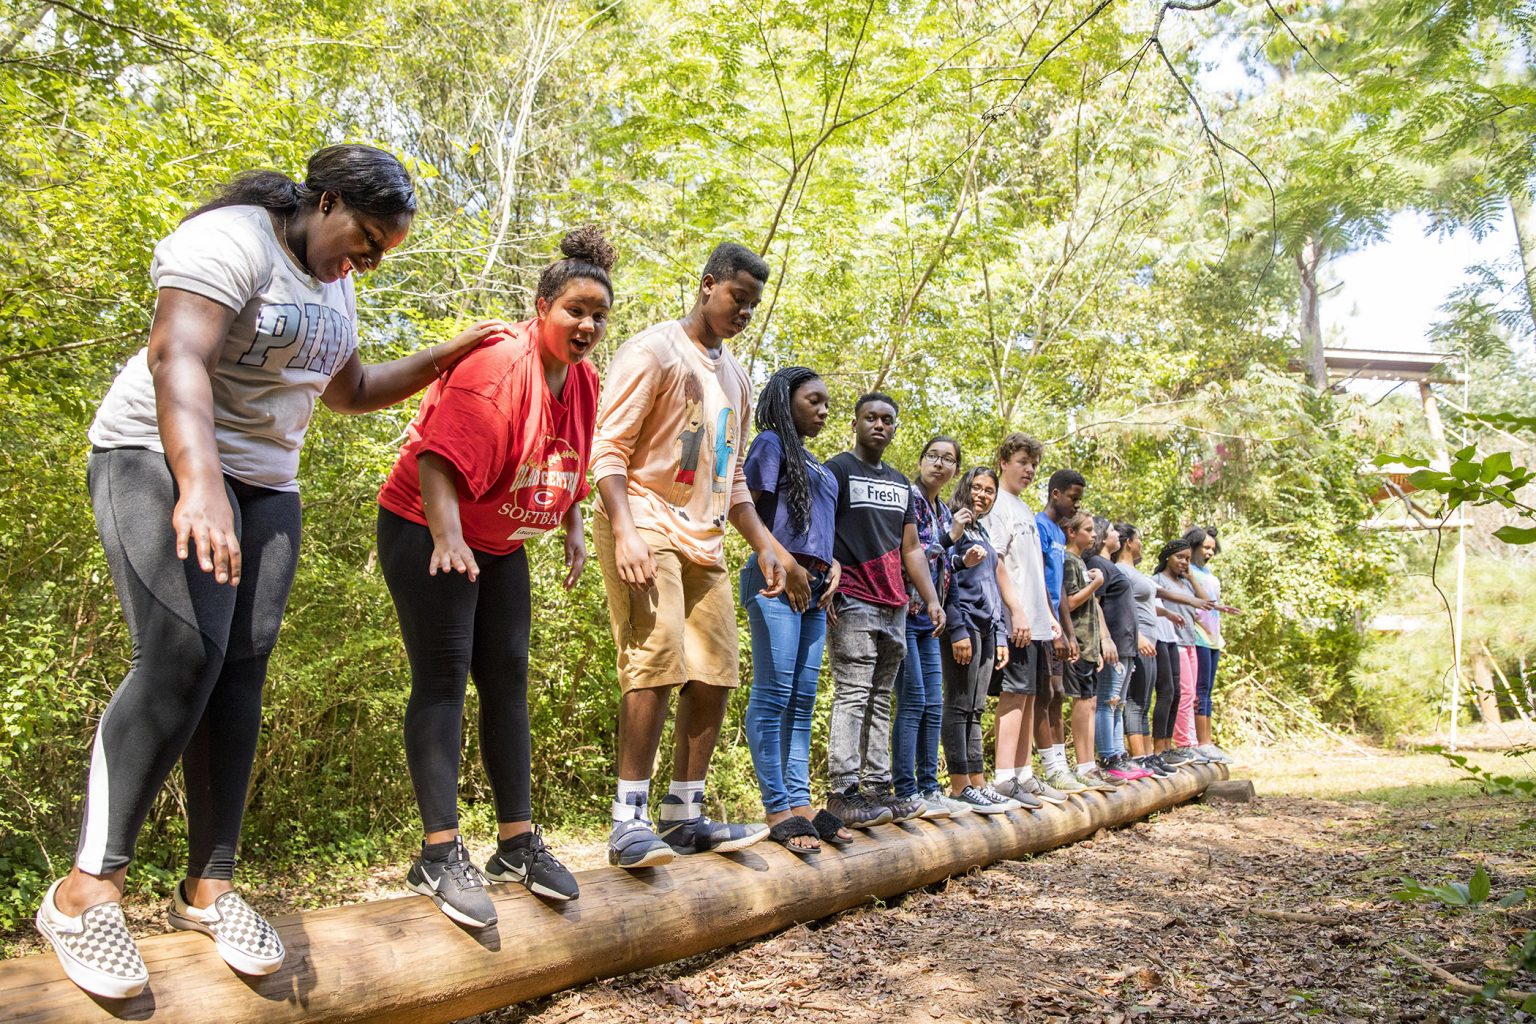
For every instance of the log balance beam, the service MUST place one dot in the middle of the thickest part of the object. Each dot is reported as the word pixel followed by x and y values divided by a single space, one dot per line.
pixel 402 960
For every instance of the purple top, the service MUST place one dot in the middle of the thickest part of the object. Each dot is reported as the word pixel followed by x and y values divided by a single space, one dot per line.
pixel 764 470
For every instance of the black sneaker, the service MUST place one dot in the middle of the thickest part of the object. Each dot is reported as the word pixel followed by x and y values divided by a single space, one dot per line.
pixel 903 808
pixel 1154 764
pixel 455 885
pixel 529 863
pixel 1178 757
pixel 983 804
pixel 857 810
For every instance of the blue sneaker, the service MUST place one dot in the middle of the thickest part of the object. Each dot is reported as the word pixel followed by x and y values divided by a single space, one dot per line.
pixel 700 834
pixel 634 844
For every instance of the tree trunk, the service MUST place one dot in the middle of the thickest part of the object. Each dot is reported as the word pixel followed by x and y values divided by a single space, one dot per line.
pixel 1308 261
pixel 1525 238
pixel 1487 698
pixel 402 960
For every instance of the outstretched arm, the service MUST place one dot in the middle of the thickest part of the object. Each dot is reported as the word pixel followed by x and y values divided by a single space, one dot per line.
pixel 359 388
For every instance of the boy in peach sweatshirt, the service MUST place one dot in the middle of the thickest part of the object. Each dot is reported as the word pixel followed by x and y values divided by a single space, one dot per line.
pixel 665 464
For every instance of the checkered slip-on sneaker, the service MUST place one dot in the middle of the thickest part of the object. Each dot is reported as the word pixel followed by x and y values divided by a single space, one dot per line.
pixel 95 948
pixel 243 937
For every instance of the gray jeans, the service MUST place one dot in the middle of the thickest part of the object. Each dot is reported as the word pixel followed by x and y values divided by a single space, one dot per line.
pixel 867 644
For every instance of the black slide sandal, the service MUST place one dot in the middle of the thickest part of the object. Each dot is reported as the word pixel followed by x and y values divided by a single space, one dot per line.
pixel 790 828
pixel 827 825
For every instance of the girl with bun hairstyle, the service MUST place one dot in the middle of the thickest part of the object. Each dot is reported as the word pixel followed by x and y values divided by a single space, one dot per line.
pixel 496 456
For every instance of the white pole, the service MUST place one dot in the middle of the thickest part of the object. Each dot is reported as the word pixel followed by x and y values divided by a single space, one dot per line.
pixel 1461 569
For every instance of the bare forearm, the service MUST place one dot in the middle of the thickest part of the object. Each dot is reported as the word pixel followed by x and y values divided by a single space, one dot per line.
pixel 614 490
pixel 184 412
pixel 439 496
pixel 743 516
pixel 383 384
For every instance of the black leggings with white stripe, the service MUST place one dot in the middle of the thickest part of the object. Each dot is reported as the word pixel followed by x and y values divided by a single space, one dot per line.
pixel 200 649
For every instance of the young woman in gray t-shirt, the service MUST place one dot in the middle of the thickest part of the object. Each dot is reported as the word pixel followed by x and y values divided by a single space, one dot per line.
pixel 192 476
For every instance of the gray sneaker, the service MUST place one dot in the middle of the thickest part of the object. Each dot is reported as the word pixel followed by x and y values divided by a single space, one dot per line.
pixel 1064 781
pixel 956 807
pixel 1212 752
pixel 1178 757
pixel 933 807
pixel 455 885
pixel 1015 791
pixel 1039 790
pixel 903 808
pixel 1092 778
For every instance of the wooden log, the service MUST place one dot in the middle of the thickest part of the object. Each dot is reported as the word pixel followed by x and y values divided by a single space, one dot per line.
pixel 1230 791
pixel 401 960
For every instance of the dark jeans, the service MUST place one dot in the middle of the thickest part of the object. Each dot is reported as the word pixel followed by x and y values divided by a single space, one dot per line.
pixel 200 649
pixel 965 698
pixel 454 628
pixel 1206 658
pixel 919 712
pixel 787 648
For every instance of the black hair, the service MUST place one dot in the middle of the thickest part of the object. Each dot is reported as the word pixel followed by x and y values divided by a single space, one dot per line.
pixel 1170 549
pixel 1064 479
pixel 588 255
pixel 961 498
pixel 1101 525
pixel 938 439
pixel 1128 533
pixel 775 412
pixel 369 180
pixel 730 259
pixel 875 396
pixel 1205 531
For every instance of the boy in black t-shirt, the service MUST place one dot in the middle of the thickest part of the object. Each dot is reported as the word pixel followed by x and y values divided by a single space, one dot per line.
pixel 876 539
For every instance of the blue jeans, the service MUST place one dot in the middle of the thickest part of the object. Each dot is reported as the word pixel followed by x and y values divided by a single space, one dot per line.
pixel 1109 713
pixel 1206 660
pixel 786 660
pixel 919 710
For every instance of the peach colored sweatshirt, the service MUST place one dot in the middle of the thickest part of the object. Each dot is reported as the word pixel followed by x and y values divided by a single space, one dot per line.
pixel 671 421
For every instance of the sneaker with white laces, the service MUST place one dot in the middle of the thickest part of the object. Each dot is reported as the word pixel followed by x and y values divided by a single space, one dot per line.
pixel 95 949
pixel 956 807
pixel 1007 803
pixel 933 807
pixel 530 863
pixel 244 938
pixel 1212 752
pixel 454 884
pixel 1062 780
pixel 980 803
pixel 1154 764
pixel 1012 789
pixel 1032 785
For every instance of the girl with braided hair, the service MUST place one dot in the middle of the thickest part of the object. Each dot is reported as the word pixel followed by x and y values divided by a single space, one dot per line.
pixel 797 496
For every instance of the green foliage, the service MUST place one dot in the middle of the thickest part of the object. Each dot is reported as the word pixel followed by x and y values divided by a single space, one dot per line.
pixel 1490 783
pixel 1471 893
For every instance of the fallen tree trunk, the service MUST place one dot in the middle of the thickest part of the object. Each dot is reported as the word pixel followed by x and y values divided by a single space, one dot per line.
pixel 402 960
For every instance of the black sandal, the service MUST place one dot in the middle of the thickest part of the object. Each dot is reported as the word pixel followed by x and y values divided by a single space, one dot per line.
pixel 790 828
pixel 827 826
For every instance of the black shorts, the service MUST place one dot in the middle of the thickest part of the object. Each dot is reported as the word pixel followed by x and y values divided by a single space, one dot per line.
pixel 1025 672
pixel 1082 680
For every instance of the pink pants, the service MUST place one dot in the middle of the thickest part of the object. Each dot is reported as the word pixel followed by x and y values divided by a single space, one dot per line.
pixel 1184 716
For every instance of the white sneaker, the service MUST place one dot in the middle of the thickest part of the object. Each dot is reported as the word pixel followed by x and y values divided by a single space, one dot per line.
pixel 95 949
pixel 243 937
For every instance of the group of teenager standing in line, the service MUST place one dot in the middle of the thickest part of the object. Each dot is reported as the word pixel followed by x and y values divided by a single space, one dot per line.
pixel 193 481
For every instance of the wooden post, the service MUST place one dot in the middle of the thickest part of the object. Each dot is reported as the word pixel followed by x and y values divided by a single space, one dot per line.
pixel 401 960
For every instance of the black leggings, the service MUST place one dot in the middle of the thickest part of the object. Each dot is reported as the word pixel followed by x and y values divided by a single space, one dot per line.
pixel 200 649
pixel 965 698
pixel 1167 687
pixel 454 628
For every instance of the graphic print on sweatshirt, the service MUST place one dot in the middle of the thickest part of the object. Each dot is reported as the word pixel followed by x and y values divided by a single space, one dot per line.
pixel 696 438
pixel 325 331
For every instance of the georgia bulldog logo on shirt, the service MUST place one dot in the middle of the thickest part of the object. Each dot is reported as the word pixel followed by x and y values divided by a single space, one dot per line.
pixel 543 489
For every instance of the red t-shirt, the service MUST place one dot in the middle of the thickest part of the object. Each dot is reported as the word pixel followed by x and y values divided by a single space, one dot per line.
pixel 521 454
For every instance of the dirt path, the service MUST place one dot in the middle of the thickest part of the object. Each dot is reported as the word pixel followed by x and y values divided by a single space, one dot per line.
pixel 1148 923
